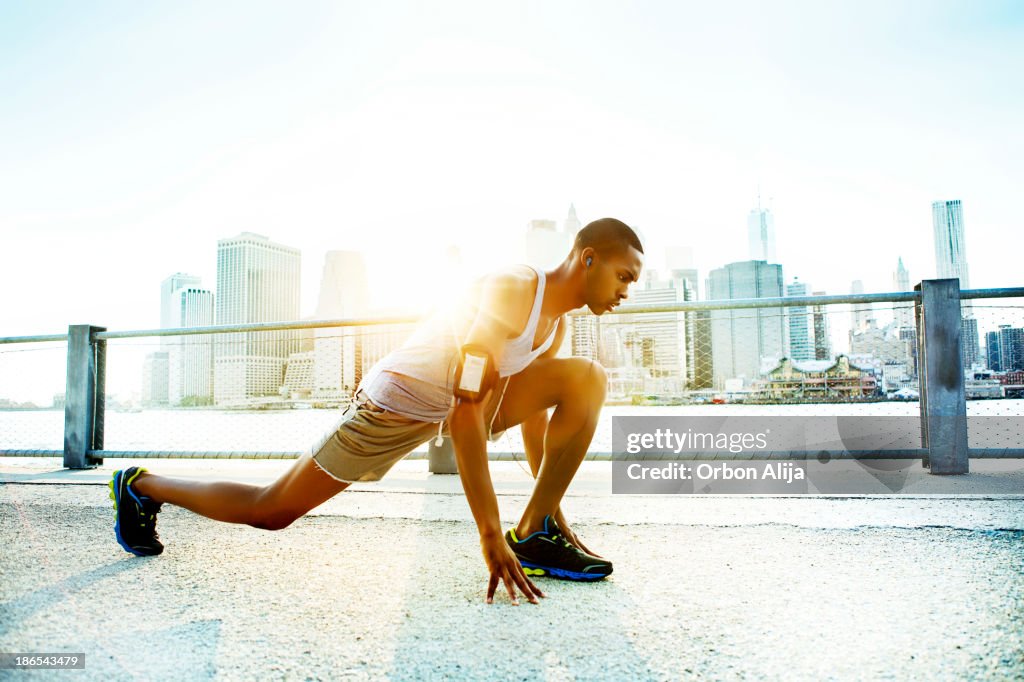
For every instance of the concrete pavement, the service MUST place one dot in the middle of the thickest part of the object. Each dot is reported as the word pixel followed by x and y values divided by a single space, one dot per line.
pixel 386 580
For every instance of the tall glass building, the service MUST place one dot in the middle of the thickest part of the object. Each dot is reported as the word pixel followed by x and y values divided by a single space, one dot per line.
pixel 742 341
pixel 950 249
pixel 903 313
pixel 761 235
pixel 801 329
pixel 344 291
pixel 257 281
pixel 951 261
pixel 190 358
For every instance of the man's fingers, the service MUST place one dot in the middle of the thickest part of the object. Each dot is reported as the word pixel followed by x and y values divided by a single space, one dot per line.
pixel 579 543
pixel 511 590
pixel 491 587
pixel 525 585
pixel 513 576
pixel 533 587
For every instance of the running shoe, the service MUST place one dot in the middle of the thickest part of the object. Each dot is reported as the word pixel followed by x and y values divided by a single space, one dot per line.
pixel 134 514
pixel 547 552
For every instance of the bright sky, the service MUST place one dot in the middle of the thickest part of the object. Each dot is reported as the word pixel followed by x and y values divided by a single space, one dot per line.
pixel 135 135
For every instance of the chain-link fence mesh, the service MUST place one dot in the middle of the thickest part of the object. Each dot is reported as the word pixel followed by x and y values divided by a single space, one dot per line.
pixel 32 384
pixel 837 359
pixel 992 347
pixel 277 392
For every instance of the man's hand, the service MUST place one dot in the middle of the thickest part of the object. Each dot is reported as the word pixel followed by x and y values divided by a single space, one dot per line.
pixel 504 566
pixel 570 536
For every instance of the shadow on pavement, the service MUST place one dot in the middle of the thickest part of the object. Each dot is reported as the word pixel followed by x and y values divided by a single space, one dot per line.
pixel 576 632
pixel 20 609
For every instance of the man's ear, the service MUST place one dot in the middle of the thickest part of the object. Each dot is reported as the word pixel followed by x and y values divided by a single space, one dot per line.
pixel 587 256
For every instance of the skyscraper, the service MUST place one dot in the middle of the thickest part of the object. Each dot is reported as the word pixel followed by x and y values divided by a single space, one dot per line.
pixel 343 293
pixel 992 352
pixel 585 336
pixel 761 234
pixel 744 340
pixel 970 353
pixel 696 349
pixel 801 329
pixel 257 281
pixel 903 313
pixel 190 358
pixel 951 260
pixel 154 379
pixel 663 329
pixel 685 282
pixel 170 317
pixel 611 351
pixel 1011 348
pixel 860 313
pixel 572 224
pixel 168 313
pixel 908 335
pixel 950 247
pixel 822 334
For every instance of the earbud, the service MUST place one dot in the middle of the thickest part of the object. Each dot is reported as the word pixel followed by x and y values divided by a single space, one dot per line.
pixel 589 261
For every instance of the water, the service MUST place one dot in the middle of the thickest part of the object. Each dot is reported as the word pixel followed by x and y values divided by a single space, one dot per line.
pixel 296 430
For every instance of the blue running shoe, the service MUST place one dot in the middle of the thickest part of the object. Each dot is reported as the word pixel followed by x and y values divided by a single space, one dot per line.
pixel 134 514
pixel 547 552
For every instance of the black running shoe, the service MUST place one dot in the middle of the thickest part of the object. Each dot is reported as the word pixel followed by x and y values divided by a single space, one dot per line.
pixel 134 514
pixel 547 552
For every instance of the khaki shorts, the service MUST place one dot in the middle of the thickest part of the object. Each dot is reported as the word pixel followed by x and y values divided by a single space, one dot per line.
pixel 368 440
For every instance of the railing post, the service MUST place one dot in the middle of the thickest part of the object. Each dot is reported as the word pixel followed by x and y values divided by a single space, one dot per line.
pixel 84 397
pixel 941 377
pixel 442 457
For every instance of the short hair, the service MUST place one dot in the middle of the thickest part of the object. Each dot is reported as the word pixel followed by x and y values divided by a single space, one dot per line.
pixel 605 235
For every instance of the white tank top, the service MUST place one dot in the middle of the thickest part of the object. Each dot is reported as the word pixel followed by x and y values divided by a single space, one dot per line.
pixel 519 352
pixel 429 358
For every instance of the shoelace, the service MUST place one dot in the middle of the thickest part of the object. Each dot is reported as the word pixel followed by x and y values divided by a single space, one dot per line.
pixel 149 520
pixel 150 525
pixel 565 543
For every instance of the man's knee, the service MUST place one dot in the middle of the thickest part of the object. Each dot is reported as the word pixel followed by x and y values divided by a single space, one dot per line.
pixel 273 521
pixel 588 378
pixel 267 514
pixel 599 377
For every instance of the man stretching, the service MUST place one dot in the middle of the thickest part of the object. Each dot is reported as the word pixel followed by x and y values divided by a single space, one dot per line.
pixel 470 374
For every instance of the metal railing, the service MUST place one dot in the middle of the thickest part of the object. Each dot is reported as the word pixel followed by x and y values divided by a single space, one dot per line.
pixel 943 448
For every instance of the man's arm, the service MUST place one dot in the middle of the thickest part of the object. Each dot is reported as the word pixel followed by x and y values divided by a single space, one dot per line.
pixel 493 325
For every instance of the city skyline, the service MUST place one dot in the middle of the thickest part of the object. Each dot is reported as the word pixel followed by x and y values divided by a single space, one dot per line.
pixel 384 292
pixel 551 247
pixel 408 131
pixel 181 150
pixel 556 240
pixel 674 366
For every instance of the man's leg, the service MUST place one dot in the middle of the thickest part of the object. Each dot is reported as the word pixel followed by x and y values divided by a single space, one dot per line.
pixel 575 387
pixel 533 439
pixel 303 487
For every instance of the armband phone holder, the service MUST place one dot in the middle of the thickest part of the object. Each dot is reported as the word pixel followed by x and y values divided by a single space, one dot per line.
pixel 475 373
